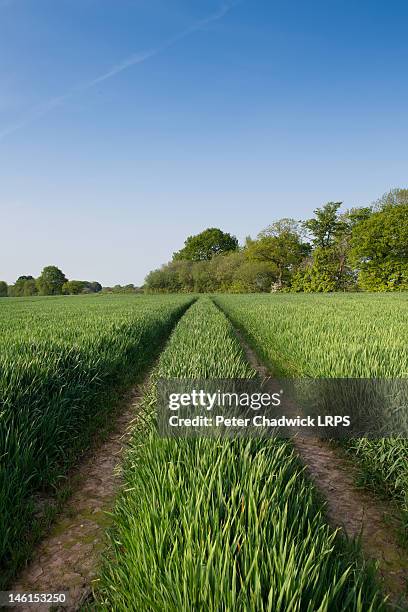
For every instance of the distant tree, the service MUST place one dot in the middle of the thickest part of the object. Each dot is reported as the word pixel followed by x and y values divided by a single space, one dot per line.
pixel 121 289
pixel 355 245
pixel 3 289
pixel 94 287
pixel 354 216
pixel 325 225
pixel 24 278
pixel 205 245
pixel 281 246
pixel 380 249
pixel 182 270
pixel 155 281
pixel 230 272
pixel 73 287
pixel 224 269
pixel 51 281
pixel 322 272
pixel 283 226
pixel 253 277
pixel 344 276
pixel 394 197
pixel 203 280
pixel 24 286
pixel 327 269
pixel 273 256
pixel 30 287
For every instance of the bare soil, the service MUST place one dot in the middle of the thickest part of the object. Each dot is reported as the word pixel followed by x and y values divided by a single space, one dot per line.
pixel 355 511
pixel 68 558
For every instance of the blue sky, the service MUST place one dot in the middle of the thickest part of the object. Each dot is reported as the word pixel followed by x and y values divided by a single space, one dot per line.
pixel 127 125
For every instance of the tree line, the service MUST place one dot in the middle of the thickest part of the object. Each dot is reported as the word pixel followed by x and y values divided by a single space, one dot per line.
pixel 363 248
pixel 52 281
pixel 130 288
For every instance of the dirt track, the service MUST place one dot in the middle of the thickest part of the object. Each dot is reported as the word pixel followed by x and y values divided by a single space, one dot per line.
pixel 67 559
pixel 355 511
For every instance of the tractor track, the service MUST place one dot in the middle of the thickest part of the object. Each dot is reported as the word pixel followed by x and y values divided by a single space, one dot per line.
pixel 356 512
pixel 67 559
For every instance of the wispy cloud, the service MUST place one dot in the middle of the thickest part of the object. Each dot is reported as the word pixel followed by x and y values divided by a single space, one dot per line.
pixel 128 62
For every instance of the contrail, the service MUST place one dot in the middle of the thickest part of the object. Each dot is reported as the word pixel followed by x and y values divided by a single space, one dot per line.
pixel 125 64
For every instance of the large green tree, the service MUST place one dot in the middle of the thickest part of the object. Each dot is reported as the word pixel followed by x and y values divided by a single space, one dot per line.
pixel 340 249
pixel 25 285
pixel 324 271
pixel 204 281
pixel 253 277
pixel 224 269
pixel 73 287
pixel 3 289
pixel 325 225
pixel 280 245
pixel 205 245
pixel 51 281
pixel 380 249
pixel 329 268
pixel 30 287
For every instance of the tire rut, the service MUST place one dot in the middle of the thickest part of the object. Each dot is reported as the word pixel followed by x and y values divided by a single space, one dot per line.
pixel 356 512
pixel 67 559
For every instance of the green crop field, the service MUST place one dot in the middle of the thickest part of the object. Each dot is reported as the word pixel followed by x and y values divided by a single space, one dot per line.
pixel 350 336
pixel 226 524
pixel 58 359
pixel 200 524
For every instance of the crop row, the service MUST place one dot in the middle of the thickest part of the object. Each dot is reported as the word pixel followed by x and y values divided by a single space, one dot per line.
pixel 60 358
pixel 221 524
